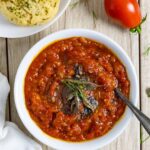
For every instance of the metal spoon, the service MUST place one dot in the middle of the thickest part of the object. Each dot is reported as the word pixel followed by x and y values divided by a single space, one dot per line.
pixel 144 120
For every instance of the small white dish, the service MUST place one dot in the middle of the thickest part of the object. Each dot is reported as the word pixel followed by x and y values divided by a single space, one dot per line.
pixel 9 30
pixel 20 100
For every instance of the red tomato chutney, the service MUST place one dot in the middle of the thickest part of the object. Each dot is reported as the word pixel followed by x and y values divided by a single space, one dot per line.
pixel 43 89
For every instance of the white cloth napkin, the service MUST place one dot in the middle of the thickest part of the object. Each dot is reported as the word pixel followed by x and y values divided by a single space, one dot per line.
pixel 11 137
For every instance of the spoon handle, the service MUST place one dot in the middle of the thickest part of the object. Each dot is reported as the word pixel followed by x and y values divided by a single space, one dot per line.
pixel 144 120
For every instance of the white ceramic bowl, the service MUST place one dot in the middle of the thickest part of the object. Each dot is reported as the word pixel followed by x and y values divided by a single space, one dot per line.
pixel 9 30
pixel 20 100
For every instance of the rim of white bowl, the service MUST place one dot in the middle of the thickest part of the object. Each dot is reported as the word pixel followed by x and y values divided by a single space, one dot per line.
pixel 20 100
pixel 43 27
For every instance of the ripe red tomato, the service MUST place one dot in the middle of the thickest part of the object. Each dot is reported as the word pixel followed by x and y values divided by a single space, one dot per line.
pixel 126 11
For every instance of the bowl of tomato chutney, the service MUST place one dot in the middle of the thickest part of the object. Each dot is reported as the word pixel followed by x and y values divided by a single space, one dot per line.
pixel 64 89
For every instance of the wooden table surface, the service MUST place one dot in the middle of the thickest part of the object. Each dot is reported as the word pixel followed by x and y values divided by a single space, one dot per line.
pixel 81 16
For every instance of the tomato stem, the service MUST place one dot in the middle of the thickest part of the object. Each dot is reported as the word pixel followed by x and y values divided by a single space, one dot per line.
pixel 138 29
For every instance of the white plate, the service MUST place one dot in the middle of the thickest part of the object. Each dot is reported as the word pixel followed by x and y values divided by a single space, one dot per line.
pixel 9 30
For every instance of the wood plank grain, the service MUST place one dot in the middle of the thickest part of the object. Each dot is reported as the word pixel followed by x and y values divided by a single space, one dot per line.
pixel 145 68
pixel 3 66
pixel 81 16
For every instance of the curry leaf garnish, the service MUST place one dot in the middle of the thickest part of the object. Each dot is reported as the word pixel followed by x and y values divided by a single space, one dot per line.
pixel 142 140
pixel 74 4
pixel 75 98
pixel 94 15
pixel 77 89
pixel 147 51
pixel 83 97
pixel 144 19
pixel 148 92
pixel 138 29
pixel 84 84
